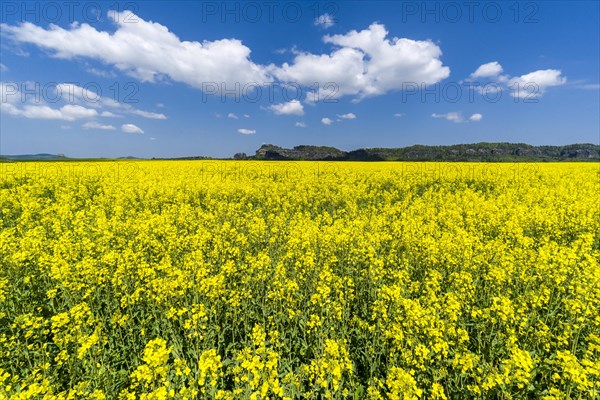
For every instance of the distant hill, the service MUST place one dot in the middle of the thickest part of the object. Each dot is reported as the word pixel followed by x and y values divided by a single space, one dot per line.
pixel 40 156
pixel 58 157
pixel 481 152
pixel 272 152
pixel 459 152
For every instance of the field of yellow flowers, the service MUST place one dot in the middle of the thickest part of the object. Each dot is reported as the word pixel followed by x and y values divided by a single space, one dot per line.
pixel 299 280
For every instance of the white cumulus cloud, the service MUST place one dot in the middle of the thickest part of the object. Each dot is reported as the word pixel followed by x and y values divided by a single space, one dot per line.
pixel 131 128
pixel 148 114
pixel 361 63
pixel 232 116
pixel 487 70
pixel 366 63
pixel 476 117
pixel 75 94
pixel 72 112
pixel 325 21
pixel 535 83
pixel 300 125
pixel 326 121
pixel 81 103
pixel 146 50
pixel 529 86
pixel 347 116
pixel 97 125
pixel 35 111
pixel 293 107
pixel 244 131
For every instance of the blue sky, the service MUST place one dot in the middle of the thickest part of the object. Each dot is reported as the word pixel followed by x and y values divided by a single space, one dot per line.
pixel 168 79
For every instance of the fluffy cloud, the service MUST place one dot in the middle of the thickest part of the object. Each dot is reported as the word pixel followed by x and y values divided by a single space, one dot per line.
pixel 347 116
pixel 146 50
pixel 131 128
pixel 148 114
pixel 293 107
pixel 33 111
pixel 81 103
pixel 232 116
pixel 535 83
pixel 457 117
pixel 300 125
pixel 72 112
pixel 78 95
pixel 325 21
pixel 326 121
pixel 343 71
pixel 366 63
pixel 244 131
pixel 487 70
pixel 531 85
pixel 361 64
pixel 97 125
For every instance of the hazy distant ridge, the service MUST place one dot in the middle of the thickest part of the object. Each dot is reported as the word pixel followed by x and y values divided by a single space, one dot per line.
pixel 458 152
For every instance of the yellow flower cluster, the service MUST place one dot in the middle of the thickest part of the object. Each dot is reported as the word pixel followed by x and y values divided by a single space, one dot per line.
pixel 281 280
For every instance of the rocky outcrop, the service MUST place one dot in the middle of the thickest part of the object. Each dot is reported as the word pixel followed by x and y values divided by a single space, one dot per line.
pixel 271 152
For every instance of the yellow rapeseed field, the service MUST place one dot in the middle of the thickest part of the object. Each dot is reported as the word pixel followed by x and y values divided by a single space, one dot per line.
pixel 299 280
